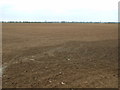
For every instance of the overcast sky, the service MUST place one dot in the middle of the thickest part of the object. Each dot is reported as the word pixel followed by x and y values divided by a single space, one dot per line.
pixel 59 10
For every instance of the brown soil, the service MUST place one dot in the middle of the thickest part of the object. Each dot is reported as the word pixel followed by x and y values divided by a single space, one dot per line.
pixel 60 55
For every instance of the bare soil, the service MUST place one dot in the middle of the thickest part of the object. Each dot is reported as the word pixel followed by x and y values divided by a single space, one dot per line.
pixel 57 55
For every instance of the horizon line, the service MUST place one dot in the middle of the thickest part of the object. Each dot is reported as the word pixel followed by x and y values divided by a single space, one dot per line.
pixel 56 22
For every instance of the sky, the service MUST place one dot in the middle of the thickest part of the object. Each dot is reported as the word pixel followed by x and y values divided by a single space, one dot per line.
pixel 59 10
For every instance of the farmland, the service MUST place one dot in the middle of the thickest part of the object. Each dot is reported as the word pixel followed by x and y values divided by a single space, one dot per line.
pixel 60 55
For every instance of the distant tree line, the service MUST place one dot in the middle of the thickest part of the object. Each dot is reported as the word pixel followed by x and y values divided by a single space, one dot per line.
pixel 53 22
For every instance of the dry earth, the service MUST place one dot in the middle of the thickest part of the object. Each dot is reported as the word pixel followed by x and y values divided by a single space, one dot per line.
pixel 55 55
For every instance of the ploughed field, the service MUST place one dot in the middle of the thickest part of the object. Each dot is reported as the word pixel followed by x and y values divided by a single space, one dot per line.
pixel 60 55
